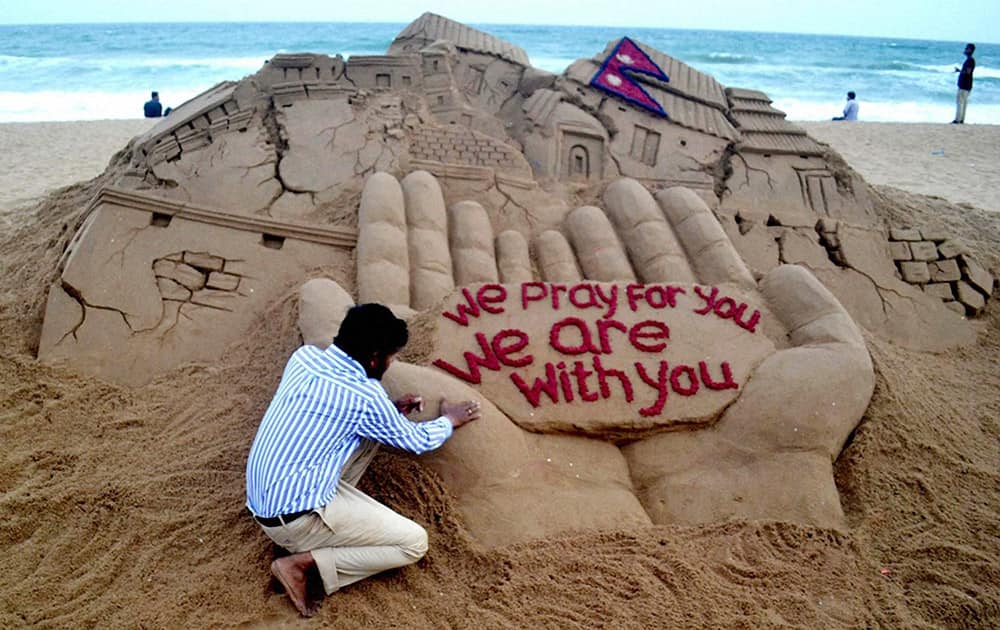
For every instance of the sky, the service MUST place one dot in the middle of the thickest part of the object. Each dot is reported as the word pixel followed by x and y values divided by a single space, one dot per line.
pixel 948 20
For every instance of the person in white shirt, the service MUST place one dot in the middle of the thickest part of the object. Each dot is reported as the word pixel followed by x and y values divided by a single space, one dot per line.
pixel 850 108
pixel 316 439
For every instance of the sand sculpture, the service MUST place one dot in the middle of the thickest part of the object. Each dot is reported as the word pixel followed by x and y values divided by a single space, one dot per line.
pixel 660 306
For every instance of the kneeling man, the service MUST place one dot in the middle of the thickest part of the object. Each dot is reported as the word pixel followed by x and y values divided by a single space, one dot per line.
pixel 318 435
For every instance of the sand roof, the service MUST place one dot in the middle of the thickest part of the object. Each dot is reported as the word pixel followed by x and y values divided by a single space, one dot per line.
pixel 430 27
pixel 680 107
pixel 764 128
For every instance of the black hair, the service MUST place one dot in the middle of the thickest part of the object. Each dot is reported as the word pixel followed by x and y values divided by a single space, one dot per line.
pixel 370 329
pixel 972 46
pixel 850 95
pixel 154 94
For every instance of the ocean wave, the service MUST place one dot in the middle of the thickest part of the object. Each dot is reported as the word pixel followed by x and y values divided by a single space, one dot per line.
pixel 987 73
pixel 884 66
pixel 119 76
pixel 898 66
pixel 238 63
pixel 15 62
pixel 99 105
pixel 723 58
pixel 90 105
pixel 938 67
pixel 981 72
pixel 131 63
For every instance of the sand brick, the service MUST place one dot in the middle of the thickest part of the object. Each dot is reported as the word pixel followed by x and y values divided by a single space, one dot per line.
pixel 951 248
pixel 970 297
pixel 904 234
pixel 900 250
pixel 204 261
pixel 945 271
pixel 924 250
pixel 933 234
pixel 915 272
pixel 172 290
pixel 222 281
pixel 183 274
pixel 977 275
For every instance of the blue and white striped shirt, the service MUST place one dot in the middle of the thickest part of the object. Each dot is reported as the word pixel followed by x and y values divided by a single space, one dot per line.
pixel 324 406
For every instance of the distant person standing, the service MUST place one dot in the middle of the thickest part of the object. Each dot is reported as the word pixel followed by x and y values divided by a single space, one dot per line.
pixel 153 108
pixel 850 108
pixel 964 84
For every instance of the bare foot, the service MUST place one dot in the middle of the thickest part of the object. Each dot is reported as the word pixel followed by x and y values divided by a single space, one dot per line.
pixel 291 571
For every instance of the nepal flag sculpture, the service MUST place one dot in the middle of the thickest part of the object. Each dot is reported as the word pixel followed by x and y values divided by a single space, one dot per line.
pixel 612 77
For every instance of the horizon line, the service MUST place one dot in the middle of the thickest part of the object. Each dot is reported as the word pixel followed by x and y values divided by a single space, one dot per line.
pixel 404 23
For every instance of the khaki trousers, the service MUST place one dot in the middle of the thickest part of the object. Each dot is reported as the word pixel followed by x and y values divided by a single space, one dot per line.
pixel 961 101
pixel 353 536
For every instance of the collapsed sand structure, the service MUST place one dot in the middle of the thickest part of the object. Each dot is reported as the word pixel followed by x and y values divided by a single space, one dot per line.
pixel 615 258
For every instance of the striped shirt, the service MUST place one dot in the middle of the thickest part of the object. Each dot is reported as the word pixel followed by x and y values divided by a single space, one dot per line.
pixel 324 406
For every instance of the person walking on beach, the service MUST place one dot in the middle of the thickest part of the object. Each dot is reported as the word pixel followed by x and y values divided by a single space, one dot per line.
pixel 850 108
pixel 315 440
pixel 152 108
pixel 964 84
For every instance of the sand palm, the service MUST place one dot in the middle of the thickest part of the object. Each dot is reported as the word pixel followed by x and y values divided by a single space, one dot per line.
pixel 767 452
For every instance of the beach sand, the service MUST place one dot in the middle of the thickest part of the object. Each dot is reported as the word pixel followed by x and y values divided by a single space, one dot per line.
pixel 37 157
pixel 960 163
pixel 124 507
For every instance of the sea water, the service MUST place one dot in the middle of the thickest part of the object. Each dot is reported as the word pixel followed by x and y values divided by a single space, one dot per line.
pixel 98 71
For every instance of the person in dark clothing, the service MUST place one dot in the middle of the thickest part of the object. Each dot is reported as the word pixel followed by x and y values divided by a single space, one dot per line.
pixel 964 84
pixel 152 108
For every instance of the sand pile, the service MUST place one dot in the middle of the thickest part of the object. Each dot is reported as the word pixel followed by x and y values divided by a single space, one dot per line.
pixel 125 507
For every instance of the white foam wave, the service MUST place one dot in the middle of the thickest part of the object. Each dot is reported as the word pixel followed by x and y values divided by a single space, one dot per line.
pixel 730 56
pixel 552 64
pixel 890 112
pixel 940 67
pixel 93 105
pixel 97 105
pixel 14 62
pixel 124 64
pixel 982 72
pixel 240 63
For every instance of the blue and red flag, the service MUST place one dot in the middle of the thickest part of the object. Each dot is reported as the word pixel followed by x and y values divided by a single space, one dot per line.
pixel 613 77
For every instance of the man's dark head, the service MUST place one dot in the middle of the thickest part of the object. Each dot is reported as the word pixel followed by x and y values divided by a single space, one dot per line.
pixel 155 95
pixel 850 96
pixel 371 335
pixel 970 48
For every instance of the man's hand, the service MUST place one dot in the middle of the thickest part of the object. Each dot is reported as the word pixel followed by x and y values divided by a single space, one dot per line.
pixel 460 412
pixel 410 403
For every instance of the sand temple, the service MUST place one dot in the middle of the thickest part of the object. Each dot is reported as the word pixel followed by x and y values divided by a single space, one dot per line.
pixel 656 284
